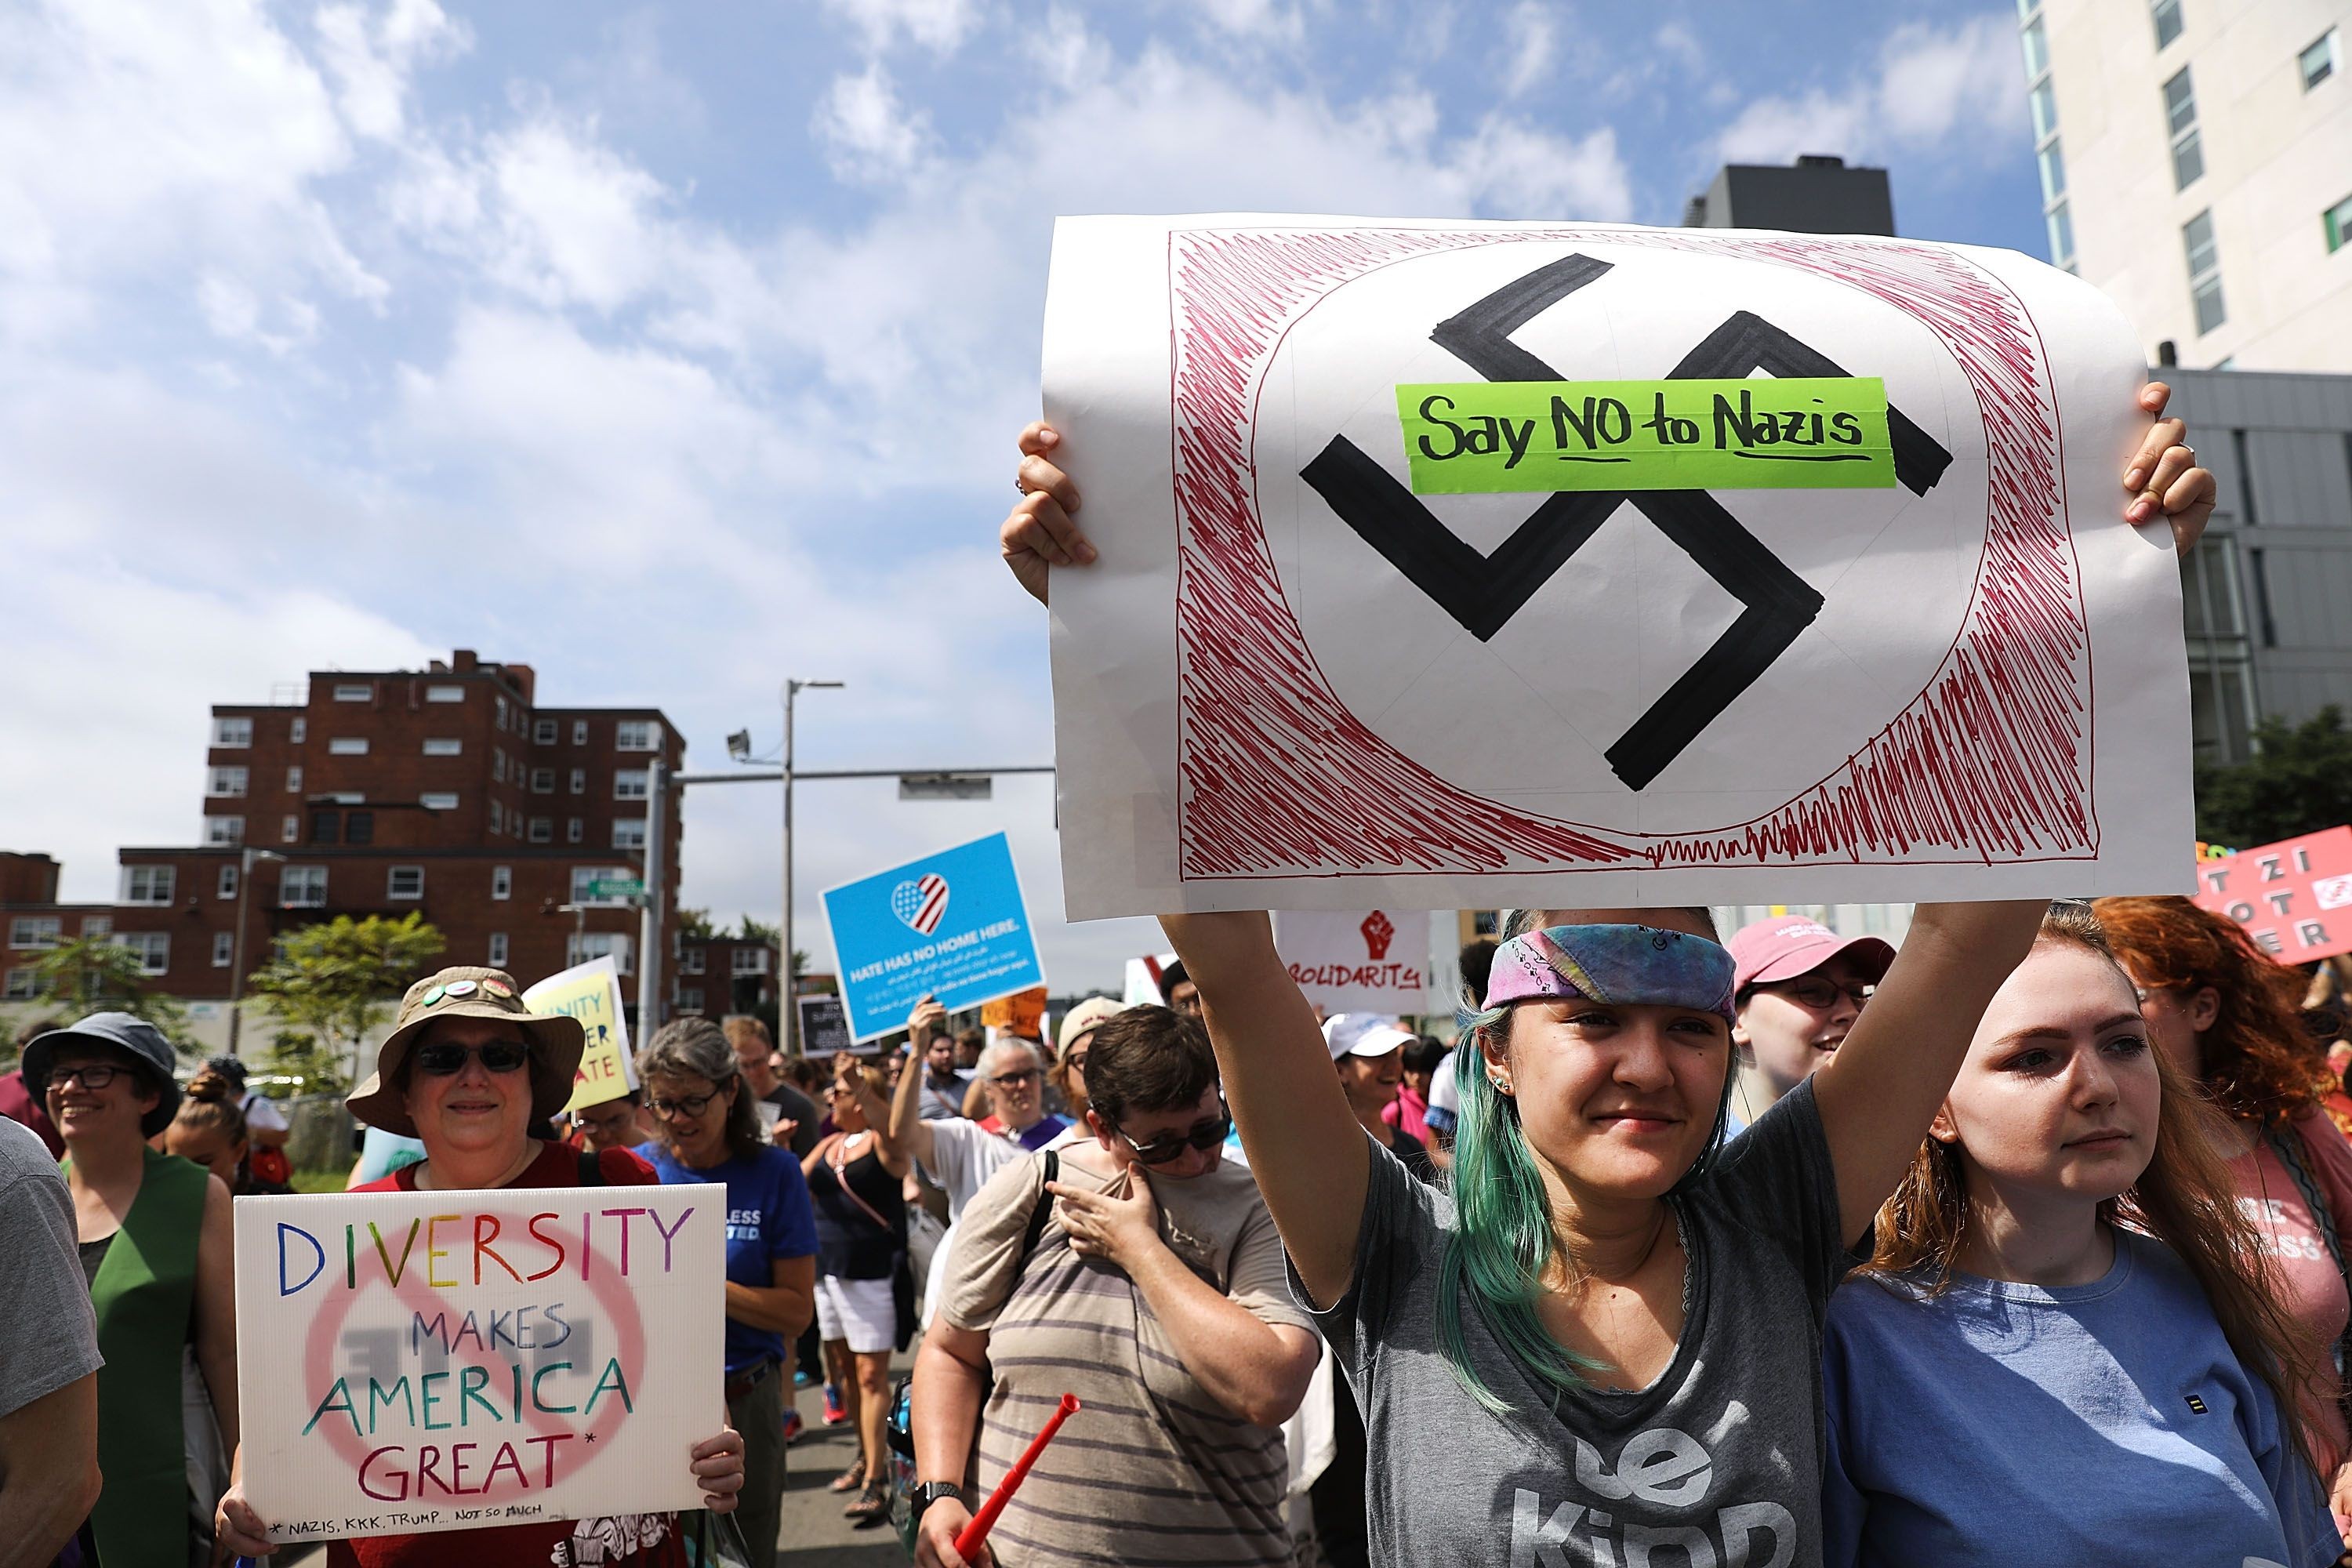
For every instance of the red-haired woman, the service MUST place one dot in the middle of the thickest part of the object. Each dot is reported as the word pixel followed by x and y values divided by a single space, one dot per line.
pixel 2225 1013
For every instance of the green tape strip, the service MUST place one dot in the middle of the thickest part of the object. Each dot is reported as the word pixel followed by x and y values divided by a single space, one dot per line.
pixel 1762 433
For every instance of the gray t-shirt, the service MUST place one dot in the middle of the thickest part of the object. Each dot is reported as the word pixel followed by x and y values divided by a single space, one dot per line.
pixel 1718 1461
pixel 52 1332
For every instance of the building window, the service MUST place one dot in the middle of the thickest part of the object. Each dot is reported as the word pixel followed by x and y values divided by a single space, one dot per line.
pixel 299 731
pixel 543 781
pixel 691 961
pixel 498 950
pixel 498 765
pixel 438 800
pixel 35 931
pixel 347 746
pixel 499 714
pixel 233 732
pixel 153 947
pixel 2338 221
pixel 2045 112
pixel 574 830
pixel 2204 271
pixel 444 694
pixel 21 986
pixel 2180 119
pixel 2167 16
pixel 98 925
pixel 542 732
pixel 514 825
pixel 405 882
pixel 749 961
pixel 148 884
pixel 227 887
pixel 2053 174
pixel 633 735
pixel 542 830
pixel 690 998
pixel 630 784
pixel 224 830
pixel 629 833
pixel 2036 44
pixel 326 826
pixel 289 829
pixel 302 887
pixel 497 819
pixel 580 947
pixel 583 875
pixel 444 746
pixel 223 949
pixel 357 692
pixel 2318 61
pixel 501 881
pixel 225 783
pixel 359 827
pixel 580 781
pixel 293 781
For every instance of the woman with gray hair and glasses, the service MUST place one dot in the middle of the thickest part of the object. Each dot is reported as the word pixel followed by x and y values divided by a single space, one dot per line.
pixel 710 1132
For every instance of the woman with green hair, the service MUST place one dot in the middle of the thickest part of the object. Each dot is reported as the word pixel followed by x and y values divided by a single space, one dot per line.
pixel 1605 1343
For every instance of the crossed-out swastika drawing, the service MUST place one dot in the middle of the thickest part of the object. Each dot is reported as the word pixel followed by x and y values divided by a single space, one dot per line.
pixel 1483 591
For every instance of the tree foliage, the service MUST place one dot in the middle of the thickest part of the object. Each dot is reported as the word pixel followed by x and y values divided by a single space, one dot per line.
pixel 2298 781
pixel 331 983
pixel 98 974
pixel 695 924
pixel 759 930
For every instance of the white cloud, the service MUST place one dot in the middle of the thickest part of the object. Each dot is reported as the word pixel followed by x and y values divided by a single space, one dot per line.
pixel 1530 39
pixel 867 134
pixel 936 24
pixel 1931 88
pixel 372 57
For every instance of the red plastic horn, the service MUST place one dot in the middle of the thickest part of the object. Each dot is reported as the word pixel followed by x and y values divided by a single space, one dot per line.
pixel 982 1522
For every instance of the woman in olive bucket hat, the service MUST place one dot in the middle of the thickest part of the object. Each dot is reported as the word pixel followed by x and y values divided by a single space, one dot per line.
pixel 468 1070
pixel 156 1246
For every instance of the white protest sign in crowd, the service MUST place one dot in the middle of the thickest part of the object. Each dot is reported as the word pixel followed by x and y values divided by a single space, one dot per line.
pixel 1808 606
pixel 1358 961
pixel 417 1362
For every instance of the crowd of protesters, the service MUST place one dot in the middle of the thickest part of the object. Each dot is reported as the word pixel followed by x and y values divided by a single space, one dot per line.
pixel 2023 1243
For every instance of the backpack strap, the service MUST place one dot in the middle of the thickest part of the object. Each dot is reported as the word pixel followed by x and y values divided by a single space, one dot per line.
pixel 592 1169
pixel 1043 1209
pixel 2287 1145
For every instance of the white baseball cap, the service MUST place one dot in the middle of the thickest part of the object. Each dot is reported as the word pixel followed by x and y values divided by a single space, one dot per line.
pixel 1363 1034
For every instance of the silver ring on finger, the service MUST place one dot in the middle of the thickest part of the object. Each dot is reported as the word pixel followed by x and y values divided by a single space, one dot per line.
pixel 1020 486
pixel 2190 450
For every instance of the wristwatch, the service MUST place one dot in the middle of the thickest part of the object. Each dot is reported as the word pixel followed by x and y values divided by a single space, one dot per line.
pixel 930 1492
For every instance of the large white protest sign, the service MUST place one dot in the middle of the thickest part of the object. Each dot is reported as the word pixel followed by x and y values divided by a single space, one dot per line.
pixel 439 1361
pixel 1357 960
pixel 1461 564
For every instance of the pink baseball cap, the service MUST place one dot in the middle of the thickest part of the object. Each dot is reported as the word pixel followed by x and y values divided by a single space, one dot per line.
pixel 1792 945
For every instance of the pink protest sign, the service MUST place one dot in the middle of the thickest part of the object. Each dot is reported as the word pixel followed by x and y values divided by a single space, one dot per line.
pixel 2294 897
pixel 415 1362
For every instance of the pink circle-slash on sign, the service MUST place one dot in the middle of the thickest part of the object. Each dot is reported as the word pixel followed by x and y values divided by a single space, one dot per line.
pixel 540 1465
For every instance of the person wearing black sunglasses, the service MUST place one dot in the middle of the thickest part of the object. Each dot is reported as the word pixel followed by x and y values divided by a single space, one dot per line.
pixel 470 1070
pixel 1155 1292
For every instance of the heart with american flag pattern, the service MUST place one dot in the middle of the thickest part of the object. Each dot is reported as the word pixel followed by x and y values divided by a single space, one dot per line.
pixel 921 904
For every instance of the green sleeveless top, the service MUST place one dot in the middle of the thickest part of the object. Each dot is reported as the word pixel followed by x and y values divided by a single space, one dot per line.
pixel 145 1293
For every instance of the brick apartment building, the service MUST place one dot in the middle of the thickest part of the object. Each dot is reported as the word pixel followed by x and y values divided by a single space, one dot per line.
pixel 445 792
pixel 721 974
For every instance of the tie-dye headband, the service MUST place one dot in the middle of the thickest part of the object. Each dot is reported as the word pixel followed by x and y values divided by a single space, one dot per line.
pixel 1613 963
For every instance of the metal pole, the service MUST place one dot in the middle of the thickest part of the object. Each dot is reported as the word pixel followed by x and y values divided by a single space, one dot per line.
pixel 649 927
pixel 788 1027
pixel 237 951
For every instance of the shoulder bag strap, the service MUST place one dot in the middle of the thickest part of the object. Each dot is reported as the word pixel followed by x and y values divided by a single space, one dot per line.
pixel 592 1168
pixel 2287 1145
pixel 1043 1209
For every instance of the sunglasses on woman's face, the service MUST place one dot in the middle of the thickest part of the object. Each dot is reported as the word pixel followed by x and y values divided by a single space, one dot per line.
pixel 443 1059
pixel 1171 1146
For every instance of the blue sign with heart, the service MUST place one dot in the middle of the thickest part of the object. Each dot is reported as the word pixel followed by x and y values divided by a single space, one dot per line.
pixel 951 925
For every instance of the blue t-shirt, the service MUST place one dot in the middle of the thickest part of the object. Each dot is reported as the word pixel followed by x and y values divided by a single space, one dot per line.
pixel 2030 1427
pixel 768 1217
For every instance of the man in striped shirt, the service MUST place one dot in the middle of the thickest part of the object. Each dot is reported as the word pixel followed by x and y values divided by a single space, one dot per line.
pixel 1156 1293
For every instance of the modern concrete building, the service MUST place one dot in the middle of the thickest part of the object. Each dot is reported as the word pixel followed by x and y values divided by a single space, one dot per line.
pixel 2196 161
pixel 1816 194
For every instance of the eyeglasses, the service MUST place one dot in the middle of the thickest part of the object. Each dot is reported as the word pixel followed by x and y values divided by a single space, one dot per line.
pixel 1819 992
pixel 96 1076
pixel 685 1105
pixel 1160 1151
pixel 1076 1064
pixel 443 1059
pixel 1014 1078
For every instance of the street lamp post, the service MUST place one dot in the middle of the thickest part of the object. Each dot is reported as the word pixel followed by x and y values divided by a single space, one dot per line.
pixel 788 1011
pixel 246 863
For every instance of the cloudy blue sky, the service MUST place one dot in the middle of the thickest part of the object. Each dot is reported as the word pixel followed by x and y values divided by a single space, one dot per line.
pixel 673 350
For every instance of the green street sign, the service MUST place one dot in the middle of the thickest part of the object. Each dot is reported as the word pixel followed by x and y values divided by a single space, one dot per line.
pixel 629 888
